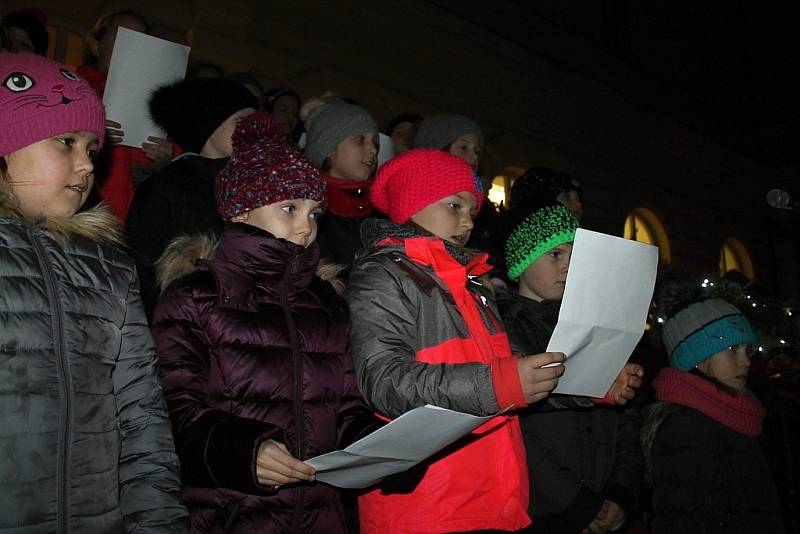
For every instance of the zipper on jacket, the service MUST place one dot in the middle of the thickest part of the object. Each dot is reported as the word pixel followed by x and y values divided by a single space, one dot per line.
pixel 297 387
pixel 65 383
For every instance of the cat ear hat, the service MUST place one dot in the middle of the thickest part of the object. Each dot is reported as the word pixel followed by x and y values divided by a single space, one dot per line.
pixel 40 98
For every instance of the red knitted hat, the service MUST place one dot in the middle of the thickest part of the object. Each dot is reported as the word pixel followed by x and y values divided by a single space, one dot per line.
pixel 407 183
pixel 264 169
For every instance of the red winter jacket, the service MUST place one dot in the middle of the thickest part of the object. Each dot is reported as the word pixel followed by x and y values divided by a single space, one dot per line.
pixel 425 331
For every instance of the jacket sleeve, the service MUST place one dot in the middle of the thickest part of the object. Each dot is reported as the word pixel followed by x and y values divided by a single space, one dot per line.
pixel 146 230
pixel 149 477
pixel 384 322
pixel 355 418
pixel 216 448
pixel 625 482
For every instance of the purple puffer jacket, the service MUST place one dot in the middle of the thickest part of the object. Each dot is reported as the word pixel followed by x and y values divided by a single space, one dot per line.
pixel 253 346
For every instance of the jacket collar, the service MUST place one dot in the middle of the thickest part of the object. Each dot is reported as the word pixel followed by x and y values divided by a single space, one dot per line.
pixel 251 264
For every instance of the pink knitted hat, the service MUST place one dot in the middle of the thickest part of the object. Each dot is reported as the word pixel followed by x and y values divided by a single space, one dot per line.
pixel 407 183
pixel 40 98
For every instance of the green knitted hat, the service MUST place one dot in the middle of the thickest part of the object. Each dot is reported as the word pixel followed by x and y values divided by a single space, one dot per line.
pixel 542 230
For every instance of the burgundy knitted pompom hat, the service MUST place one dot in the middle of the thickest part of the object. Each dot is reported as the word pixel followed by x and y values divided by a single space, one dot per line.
pixel 407 183
pixel 264 169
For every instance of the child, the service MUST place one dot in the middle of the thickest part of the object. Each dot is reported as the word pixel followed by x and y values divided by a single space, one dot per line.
pixel 539 185
pixel 119 167
pixel 85 433
pixel 425 331
pixel 700 439
pixel 583 459
pixel 253 350
pixel 200 115
pixel 342 141
pixel 455 134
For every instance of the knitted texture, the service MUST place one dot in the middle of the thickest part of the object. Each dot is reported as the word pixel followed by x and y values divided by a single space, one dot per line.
pixel 440 131
pixel 189 111
pixel 703 329
pixel 40 98
pixel 742 413
pixel 542 230
pixel 416 178
pixel 332 123
pixel 264 169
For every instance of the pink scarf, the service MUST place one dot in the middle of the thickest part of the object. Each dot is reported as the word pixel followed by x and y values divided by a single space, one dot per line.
pixel 742 413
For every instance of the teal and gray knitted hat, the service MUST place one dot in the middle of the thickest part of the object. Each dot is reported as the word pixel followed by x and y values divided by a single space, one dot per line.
pixel 703 329
pixel 538 232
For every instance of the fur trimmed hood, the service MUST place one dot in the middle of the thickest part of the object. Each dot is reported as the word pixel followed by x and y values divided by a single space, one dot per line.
pixel 97 224
pixel 180 257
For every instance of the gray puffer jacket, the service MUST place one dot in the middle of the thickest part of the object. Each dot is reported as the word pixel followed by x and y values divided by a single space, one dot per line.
pixel 84 432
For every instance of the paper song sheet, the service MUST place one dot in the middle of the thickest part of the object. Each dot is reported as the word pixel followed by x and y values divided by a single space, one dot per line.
pixel 396 447
pixel 603 314
pixel 139 64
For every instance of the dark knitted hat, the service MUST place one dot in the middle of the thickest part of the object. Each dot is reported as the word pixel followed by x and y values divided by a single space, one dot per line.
pixel 264 169
pixel 540 185
pixel 407 183
pixel 541 230
pixel 34 23
pixel 191 110
pixel 440 131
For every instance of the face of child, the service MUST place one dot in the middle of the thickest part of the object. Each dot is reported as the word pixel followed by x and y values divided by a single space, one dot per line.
pixel 294 220
pixel 103 48
pixel 467 147
pixel 219 144
pixel 53 177
pixel 355 157
pixel 286 110
pixel 729 366
pixel 401 136
pixel 449 218
pixel 546 278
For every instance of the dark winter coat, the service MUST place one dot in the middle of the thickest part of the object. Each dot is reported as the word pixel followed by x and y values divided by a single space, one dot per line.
pixel 253 347
pixel 177 200
pixel 84 432
pixel 706 476
pixel 579 453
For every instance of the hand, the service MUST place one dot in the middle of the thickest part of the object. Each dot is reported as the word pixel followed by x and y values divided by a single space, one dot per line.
pixel 537 380
pixel 157 149
pixel 114 133
pixel 625 385
pixel 276 467
pixel 610 518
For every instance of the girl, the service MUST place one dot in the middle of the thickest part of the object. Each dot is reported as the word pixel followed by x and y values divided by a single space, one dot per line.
pixel 85 434
pixel 342 141
pixel 253 349
pixel 425 330
pixel 455 134
pixel 701 438
pixel 584 460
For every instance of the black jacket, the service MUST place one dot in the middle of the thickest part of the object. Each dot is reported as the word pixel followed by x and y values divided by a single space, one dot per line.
pixel 178 200
pixel 579 453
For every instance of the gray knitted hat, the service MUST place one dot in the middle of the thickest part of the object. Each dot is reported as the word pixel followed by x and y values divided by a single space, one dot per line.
pixel 441 130
pixel 332 123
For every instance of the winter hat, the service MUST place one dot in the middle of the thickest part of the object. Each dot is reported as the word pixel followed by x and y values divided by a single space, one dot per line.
pixel 441 130
pixel 330 124
pixel 191 110
pixel 264 169
pixel 703 329
pixel 419 177
pixel 34 23
pixel 541 230
pixel 541 184
pixel 40 98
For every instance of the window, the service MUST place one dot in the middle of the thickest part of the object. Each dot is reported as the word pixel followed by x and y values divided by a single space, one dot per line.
pixel 500 190
pixel 734 257
pixel 66 42
pixel 644 226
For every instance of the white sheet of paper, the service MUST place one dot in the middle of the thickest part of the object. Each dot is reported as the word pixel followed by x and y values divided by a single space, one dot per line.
pixel 139 64
pixel 606 300
pixel 400 445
